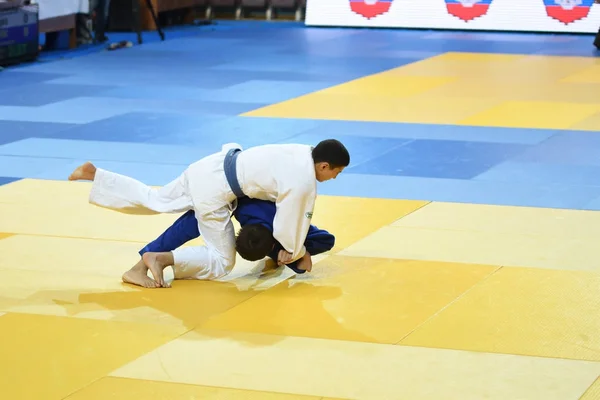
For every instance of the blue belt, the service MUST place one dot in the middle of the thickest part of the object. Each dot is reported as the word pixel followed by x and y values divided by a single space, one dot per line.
pixel 230 167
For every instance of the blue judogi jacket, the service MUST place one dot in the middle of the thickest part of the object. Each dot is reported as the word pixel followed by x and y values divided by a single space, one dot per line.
pixel 248 211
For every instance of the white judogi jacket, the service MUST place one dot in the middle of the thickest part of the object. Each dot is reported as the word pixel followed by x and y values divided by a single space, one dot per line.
pixel 281 173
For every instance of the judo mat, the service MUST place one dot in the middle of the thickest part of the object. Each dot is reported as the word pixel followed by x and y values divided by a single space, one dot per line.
pixel 465 265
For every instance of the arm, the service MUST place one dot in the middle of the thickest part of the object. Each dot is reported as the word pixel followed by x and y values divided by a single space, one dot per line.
pixel 293 217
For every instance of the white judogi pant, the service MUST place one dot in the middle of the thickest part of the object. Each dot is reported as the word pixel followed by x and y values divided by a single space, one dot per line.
pixel 130 196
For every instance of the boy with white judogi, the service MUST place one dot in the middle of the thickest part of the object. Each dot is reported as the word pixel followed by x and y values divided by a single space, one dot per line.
pixel 286 174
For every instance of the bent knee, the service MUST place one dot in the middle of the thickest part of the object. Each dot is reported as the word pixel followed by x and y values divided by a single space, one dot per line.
pixel 329 242
pixel 224 263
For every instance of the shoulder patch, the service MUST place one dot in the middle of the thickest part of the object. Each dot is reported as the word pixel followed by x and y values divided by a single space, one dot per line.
pixel 308 215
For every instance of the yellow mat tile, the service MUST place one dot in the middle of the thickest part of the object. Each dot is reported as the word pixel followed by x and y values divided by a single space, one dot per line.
pixel 5 235
pixel 357 370
pixel 490 68
pixel 523 311
pixel 42 191
pixel 518 91
pixel 83 279
pixel 62 216
pixel 61 208
pixel 593 393
pixel 358 107
pixel 359 299
pixel 83 221
pixel 352 218
pixel 125 303
pixel 387 85
pixel 548 115
pixel 506 249
pixel 51 357
pixel 589 124
pixel 504 219
pixel 474 65
pixel 588 75
pixel 67 256
pixel 464 88
pixel 127 389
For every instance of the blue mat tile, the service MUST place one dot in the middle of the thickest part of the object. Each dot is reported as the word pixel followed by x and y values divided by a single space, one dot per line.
pixel 137 127
pixel 12 131
pixel 316 66
pixel 89 109
pixel 439 159
pixel 567 147
pixel 461 191
pixel 106 151
pixel 538 173
pixel 499 37
pixel 42 93
pixel 5 180
pixel 32 167
pixel 434 132
pixel 252 92
pixel 362 149
pixel 593 205
pixel 155 175
pixel 10 79
pixel 268 92
pixel 158 92
pixel 246 131
pixel 56 113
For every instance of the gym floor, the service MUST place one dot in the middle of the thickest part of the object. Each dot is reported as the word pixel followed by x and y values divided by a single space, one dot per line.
pixel 464 266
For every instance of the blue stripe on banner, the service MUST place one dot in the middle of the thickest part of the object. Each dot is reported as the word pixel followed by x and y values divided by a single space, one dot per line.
pixel 584 3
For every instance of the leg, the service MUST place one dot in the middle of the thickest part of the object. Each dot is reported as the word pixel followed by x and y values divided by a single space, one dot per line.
pixel 212 261
pixel 318 241
pixel 184 229
pixel 127 195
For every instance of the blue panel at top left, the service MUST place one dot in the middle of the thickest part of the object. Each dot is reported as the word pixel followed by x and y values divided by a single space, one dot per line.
pixel 440 159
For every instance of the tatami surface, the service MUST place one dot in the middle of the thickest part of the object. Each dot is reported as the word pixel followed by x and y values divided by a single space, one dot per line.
pixel 465 264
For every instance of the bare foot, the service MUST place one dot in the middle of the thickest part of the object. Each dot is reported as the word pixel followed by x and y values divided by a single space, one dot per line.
pixel 305 263
pixel 156 263
pixel 138 275
pixel 85 172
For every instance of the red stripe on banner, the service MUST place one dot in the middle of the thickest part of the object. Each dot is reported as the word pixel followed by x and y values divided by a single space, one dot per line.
pixel 370 10
pixel 467 13
pixel 567 16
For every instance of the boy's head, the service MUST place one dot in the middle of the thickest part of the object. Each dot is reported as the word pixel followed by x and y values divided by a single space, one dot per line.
pixel 330 157
pixel 254 242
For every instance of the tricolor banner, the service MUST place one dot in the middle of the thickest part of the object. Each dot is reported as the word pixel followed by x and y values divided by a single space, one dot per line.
pixel 468 10
pixel 568 11
pixel 370 8
pixel 572 16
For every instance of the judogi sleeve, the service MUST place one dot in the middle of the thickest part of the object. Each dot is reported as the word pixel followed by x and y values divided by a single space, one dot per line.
pixel 293 217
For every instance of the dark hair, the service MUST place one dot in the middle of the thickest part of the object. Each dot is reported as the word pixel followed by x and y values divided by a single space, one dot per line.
pixel 254 242
pixel 332 152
